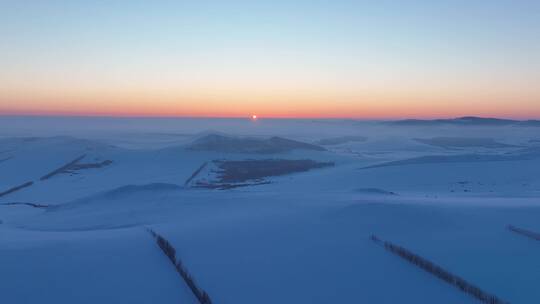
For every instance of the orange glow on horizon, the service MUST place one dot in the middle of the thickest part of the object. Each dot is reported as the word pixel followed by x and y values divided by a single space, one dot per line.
pixel 336 114
pixel 315 104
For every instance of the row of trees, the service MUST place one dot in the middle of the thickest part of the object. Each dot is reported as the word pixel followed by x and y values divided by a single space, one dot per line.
pixel 16 188
pixel 61 169
pixel 195 173
pixel 527 233
pixel 439 272
pixel 35 205
pixel 170 252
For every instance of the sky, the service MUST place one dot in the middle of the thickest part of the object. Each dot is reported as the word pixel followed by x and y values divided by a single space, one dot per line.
pixel 327 59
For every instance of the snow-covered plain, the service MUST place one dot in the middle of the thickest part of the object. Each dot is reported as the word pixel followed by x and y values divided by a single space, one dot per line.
pixel 446 191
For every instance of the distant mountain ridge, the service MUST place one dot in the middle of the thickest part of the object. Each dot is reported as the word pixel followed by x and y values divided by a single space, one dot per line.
pixel 467 121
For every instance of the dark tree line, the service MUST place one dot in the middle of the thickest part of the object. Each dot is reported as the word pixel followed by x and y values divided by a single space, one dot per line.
pixel 170 252
pixel 530 234
pixel 35 205
pixel 239 171
pixel 16 188
pixel 74 165
pixel 201 167
pixel 61 169
pixel 439 272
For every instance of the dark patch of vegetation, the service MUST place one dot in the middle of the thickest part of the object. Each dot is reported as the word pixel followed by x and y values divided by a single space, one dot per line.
pixel 195 173
pixel 237 171
pixel 77 166
pixel 16 188
pixel 530 234
pixel 439 272
pixel 74 165
pixel 170 252
pixel 26 204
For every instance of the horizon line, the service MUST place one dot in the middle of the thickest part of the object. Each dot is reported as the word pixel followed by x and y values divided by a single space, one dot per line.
pixel 248 117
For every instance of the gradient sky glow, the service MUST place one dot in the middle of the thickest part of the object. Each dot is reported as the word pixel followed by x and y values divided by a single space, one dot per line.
pixel 352 59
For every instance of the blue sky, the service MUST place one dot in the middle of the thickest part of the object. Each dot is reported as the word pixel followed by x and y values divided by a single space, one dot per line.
pixel 368 58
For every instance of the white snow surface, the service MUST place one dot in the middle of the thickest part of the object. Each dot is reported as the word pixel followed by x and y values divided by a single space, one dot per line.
pixel 302 238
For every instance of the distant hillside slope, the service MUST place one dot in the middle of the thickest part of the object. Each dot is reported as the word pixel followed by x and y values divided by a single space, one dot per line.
pixel 223 143
pixel 524 154
pixel 462 142
pixel 340 140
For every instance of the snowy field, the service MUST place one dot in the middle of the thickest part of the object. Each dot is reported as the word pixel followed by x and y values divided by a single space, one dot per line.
pixel 267 211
